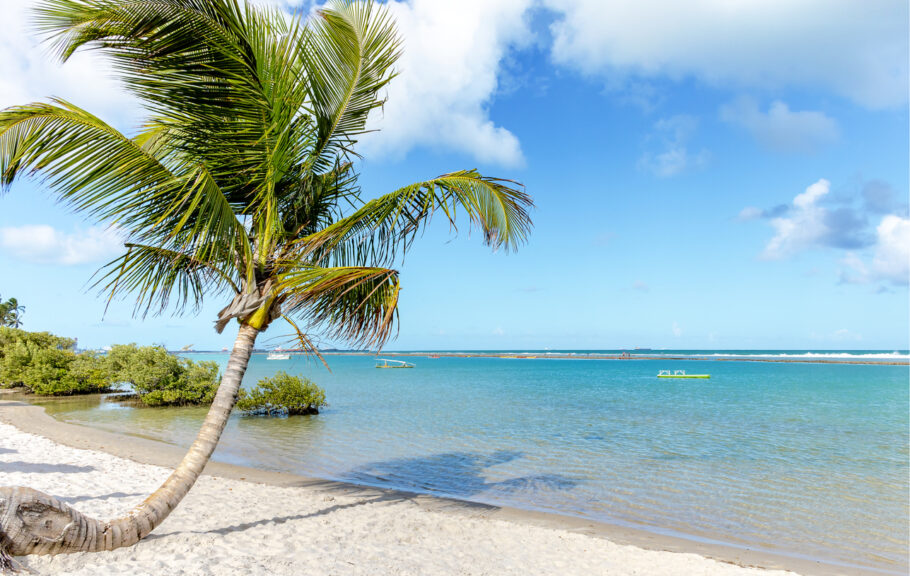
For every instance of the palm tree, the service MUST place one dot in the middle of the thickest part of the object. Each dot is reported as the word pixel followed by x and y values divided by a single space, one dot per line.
pixel 240 184
pixel 11 313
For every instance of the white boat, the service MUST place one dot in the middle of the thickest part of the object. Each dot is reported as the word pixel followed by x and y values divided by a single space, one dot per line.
pixel 278 356
pixel 385 363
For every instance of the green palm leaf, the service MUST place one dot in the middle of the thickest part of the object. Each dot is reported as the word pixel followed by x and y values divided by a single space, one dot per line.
pixel 388 224
pixel 351 49
pixel 161 278
pixel 352 304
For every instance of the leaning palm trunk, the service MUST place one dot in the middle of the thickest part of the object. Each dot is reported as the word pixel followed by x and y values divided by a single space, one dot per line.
pixel 35 523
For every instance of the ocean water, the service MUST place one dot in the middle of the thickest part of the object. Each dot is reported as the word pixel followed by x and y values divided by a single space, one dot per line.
pixel 808 460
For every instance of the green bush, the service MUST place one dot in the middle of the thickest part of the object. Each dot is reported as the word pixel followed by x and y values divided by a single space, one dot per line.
pixel 161 379
pixel 282 394
pixel 47 365
pixel 62 372
pixel 25 356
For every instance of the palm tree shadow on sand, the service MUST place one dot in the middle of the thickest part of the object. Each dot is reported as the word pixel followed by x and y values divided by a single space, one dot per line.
pixel 454 474
pixel 458 475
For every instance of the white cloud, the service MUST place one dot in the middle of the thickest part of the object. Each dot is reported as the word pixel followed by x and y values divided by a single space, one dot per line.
pixel 890 257
pixel 804 225
pixel 453 52
pixel 44 244
pixel 672 136
pixel 813 221
pixel 891 260
pixel 855 49
pixel 677 331
pixel 30 72
pixel 780 128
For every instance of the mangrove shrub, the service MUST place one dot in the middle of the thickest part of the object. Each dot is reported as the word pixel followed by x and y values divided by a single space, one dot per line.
pixel 161 379
pixel 282 394
pixel 46 364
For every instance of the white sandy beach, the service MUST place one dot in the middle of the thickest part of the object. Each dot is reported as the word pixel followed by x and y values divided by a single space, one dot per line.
pixel 230 526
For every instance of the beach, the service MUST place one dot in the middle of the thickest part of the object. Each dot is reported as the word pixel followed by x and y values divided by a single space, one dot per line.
pixel 272 523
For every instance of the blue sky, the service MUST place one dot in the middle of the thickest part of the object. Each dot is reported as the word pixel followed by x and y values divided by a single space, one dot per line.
pixel 729 175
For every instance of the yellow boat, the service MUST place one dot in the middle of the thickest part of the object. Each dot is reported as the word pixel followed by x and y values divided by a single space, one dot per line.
pixel 680 374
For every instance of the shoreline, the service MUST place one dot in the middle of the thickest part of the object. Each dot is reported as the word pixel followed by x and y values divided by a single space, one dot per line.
pixel 34 420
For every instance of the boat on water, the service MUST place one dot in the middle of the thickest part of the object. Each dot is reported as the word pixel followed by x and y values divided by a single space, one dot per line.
pixel 680 374
pixel 386 363
pixel 276 355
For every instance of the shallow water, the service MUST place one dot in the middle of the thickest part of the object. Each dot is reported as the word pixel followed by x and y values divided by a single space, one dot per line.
pixel 802 459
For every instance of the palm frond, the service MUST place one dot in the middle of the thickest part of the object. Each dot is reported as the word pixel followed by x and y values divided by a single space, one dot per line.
pixel 351 49
pixel 161 278
pixel 386 226
pixel 306 343
pixel 94 167
pixel 224 79
pixel 97 170
pixel 358 305
pixel 201 222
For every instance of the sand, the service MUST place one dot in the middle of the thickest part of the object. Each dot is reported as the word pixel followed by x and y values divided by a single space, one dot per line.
pixel 228 526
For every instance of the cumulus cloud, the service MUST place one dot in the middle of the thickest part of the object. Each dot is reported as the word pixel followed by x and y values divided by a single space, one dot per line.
pixel 29 72
pixel 811 222
pixel 890 261
pixel 671 154
pixel 844 46
pixel 47 245
pixel 801 229
pixel 453 54
pixel 780 128
pixel 816 219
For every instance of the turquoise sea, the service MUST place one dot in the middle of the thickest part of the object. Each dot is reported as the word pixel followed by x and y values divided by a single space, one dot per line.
pixel 802 459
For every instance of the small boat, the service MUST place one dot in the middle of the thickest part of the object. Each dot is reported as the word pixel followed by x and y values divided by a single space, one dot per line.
pixel 385 363
pixel 434 356
pixel 680 374
pixel 278 356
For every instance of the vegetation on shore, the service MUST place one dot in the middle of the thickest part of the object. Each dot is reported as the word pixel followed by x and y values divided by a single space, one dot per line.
pixel 282 394
pixel 161 379
pixel 48 365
